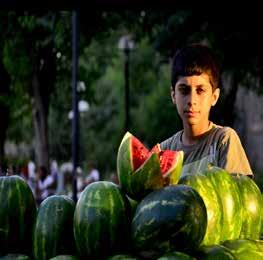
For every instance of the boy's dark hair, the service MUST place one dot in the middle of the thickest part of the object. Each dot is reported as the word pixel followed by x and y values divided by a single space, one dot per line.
pixel 195 59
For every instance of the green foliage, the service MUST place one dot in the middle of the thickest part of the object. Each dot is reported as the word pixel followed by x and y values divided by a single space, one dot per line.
pixel 156 118
pixel 157 35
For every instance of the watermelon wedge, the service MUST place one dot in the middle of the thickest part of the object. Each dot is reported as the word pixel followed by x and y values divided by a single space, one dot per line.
pixel 141 171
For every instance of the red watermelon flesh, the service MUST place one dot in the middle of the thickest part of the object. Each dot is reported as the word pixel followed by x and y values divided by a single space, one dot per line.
pixel 166 160
pixel 139 153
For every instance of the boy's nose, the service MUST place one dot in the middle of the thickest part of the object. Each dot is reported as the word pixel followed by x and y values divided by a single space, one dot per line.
pixel 192 98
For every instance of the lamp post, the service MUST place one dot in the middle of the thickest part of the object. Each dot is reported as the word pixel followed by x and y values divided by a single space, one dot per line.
pixel 126 45
pixel 75 121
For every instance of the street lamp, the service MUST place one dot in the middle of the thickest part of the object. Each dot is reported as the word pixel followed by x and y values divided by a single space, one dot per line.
pixel 126 44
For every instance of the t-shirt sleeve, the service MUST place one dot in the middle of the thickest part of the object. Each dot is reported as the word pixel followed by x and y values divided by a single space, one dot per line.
pixel 232 156
pixel 170 143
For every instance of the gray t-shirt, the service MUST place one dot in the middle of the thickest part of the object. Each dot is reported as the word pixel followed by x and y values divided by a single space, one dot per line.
pixel 220 146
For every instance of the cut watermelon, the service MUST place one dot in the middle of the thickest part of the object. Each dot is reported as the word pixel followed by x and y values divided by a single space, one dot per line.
pixel 141 171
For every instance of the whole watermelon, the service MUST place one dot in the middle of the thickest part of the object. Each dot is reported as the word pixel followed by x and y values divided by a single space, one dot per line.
pixel 122 257
pixel 172 218
pixel 202 184
pixel 229 195
pixel 17 215
pixel 15 257
pixel 215 252
pixel 53 231
pixel 102 220
pixel 251 201
pixel 176 255
pixel 64 257
pixel 245 249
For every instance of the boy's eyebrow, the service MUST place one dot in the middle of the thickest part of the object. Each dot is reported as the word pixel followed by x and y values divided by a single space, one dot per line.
pixel 186 85
pixel 183 85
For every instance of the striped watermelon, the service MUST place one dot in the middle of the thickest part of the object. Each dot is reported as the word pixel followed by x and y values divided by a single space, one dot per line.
pixel 15 257
pixel 251 201
pixel 228 193
pixel 17 215
pixel 176 255
pixel 53 231
pixel 172 218
pixel 213 252
pixel 202 184
pixel 64 257
pixel 122 257
pixel 245 249
pixel 141 171
pixel 102 220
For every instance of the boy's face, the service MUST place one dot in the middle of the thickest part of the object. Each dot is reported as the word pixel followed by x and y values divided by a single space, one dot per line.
pixel 193 97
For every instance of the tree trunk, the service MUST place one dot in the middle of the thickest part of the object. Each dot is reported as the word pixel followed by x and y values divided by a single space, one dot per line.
pixel 43 80
pixel 40 124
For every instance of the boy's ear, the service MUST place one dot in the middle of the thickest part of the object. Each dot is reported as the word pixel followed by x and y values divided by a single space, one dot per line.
pixel 173 95
pixel 215 96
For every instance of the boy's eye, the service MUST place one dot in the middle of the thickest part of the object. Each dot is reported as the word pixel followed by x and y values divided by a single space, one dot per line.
pixel 184 90
pixel 200 90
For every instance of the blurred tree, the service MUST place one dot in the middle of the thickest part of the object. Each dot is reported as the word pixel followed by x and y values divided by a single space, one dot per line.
pixel 30 60
pixel 37 56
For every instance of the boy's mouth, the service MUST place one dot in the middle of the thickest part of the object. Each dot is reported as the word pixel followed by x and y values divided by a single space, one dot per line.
pixel 191 113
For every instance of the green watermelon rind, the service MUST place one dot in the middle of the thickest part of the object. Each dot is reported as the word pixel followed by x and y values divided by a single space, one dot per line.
pixel 228 193
pixel 251 199
pixel 17 215
pixel 244 249
pixel 143 180
pixel 102 220
pixel 146 178
pixel 124 162
pixel 202 184
pixel 212 252
pixel 175 255
pixel 65 257
pixel 175 171
pixel 14 257
pixel 53 230
pixel 155 227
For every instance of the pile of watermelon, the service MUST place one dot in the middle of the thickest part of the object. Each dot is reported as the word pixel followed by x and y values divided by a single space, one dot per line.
pixel 154 213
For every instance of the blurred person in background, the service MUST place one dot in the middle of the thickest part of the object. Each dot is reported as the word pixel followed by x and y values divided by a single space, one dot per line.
pixel 45 184
pixel 93 174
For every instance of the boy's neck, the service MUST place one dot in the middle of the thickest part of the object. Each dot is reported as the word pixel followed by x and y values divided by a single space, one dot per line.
pixel 191 134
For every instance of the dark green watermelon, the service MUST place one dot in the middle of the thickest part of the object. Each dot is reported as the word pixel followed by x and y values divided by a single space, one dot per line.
pixel 245 249
pixel 122 257
pixel 228 193
pixel 53 231
pixel 15 257
pixel 214 252
pixel 251 201
pixel 17 215
pixel 202 184
pixel 102 221
pixel 175 256
pixel 65 257
pixel 172 218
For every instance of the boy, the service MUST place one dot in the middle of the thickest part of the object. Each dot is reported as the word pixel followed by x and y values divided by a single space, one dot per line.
pixel 194 90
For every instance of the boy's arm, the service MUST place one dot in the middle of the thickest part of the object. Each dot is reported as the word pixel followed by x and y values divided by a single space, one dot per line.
pixel 232 156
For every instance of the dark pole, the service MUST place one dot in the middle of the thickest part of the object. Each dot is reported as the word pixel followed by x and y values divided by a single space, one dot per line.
pixel 75 120
pixel 127 89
